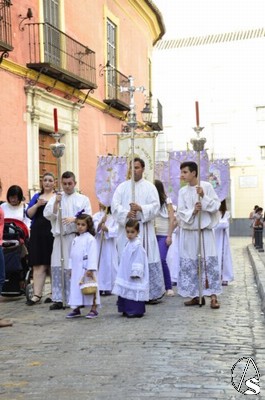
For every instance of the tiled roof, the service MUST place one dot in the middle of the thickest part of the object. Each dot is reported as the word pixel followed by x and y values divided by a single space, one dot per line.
pixel 210 39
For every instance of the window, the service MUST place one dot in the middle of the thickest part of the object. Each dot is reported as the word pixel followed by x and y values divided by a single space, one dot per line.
pixel 5 27
pixel 112 57
pixel 262 152
pixel 260 121
pixel 114 79
pixel 51 12
pixel 52 36
pixel 260 112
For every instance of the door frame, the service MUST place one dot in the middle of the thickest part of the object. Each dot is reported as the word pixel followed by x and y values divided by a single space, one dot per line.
pixel 39 116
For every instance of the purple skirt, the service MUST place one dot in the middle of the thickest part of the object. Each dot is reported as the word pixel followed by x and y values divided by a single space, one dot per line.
pixel 130 307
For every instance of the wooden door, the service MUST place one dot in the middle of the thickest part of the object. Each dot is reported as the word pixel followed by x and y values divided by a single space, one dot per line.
pixel 47 161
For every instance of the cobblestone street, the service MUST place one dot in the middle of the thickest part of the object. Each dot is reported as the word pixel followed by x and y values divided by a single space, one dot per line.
pixel 174 352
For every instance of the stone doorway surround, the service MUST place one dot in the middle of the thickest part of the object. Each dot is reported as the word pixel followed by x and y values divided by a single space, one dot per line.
pixel 39 116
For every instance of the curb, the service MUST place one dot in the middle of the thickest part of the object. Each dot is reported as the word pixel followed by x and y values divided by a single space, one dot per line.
pixel 258 264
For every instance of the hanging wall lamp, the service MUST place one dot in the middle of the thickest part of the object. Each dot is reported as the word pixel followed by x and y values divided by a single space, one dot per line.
pixel 28 16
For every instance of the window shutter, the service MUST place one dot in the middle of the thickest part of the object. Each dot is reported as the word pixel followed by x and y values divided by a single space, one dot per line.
pixel 52 36
pixel 51 12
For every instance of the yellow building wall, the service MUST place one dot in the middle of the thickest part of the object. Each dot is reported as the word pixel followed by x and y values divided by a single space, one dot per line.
pixel 247 189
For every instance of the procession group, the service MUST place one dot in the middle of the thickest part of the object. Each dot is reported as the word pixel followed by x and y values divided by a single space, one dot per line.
pixel 137 248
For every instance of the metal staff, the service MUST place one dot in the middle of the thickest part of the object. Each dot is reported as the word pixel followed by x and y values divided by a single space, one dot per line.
pixel 198 146
pixel 102 237
pixel 132 123
pixel 58 151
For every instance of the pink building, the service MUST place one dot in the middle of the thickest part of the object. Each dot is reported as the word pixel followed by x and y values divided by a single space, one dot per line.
pixel 70 56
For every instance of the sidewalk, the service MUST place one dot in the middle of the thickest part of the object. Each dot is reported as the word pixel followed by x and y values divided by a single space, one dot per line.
pixel 258 263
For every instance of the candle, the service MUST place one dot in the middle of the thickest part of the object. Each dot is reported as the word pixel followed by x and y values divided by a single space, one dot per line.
pixel 55 118
pixel 197 113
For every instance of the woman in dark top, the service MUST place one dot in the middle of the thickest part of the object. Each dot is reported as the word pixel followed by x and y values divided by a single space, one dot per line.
pixel 41 238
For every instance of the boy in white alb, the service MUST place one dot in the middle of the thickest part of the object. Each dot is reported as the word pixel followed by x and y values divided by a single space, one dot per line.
pixel 132 281
pixel 71 204
pixel 193 200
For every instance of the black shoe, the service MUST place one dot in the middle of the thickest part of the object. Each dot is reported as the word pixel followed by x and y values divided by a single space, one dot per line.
pixel 48 300
pixel 108 293
pixel 134 315
pixel 153 301
pixel 57 306
pixel 32 302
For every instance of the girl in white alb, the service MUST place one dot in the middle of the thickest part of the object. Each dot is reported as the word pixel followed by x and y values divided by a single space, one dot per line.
pixel 83 263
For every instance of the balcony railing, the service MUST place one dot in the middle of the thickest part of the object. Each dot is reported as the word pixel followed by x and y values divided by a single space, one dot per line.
pixel 157 117
pixel 5 28
pixel 58 55
pixel 116 98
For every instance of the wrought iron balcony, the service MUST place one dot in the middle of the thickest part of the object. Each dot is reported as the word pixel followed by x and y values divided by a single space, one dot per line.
pixel 5 29
pixel 157 115
pixel 58 55
pixel 116 98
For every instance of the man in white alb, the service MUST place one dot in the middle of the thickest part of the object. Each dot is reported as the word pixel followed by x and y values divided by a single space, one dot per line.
pixel 144 209
pixel 194 199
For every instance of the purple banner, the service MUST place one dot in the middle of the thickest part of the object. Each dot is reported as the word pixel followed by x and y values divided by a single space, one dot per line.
pixel 175 160
pixel 219 177
pixel 162 173
pixel 110 172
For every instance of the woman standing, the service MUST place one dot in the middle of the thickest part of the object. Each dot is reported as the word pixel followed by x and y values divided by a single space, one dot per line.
pixel 164 224
pixel 41 238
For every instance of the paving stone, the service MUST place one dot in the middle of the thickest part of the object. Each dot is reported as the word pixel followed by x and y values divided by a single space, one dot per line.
pixel 174 352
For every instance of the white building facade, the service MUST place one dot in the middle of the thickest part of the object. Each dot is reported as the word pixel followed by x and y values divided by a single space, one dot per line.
pixel 225 73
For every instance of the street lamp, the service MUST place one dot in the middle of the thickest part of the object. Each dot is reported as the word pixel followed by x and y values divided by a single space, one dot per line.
pixel 147 113
pixel 57 150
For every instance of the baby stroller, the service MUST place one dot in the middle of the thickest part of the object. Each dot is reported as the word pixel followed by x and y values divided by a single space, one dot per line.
pixel 15 245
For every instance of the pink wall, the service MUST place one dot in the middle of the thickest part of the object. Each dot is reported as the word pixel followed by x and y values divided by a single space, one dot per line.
pixel 84 23
pixel 13 160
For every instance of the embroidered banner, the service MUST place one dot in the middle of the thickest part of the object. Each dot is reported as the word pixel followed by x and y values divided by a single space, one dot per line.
pixel 110 172
pixel 219 177
pixel 144 147
pixel 178 157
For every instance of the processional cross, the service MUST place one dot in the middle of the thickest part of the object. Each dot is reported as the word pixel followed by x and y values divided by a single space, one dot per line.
pixel 131 123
